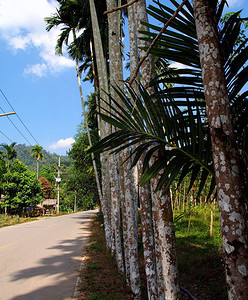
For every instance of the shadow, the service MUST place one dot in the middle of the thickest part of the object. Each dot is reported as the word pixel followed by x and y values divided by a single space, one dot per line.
pixel 55 275
pixel 200 261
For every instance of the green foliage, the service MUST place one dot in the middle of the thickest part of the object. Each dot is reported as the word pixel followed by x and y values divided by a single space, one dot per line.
pixel 81 177
pixel 9 153
pixel 173 119
pixel 7 220
pixel 92 112
pixel 48 172
pixel 199 256
pixel 36 152
pixel 20 188
pixel 242 27
pixel 96 247
pixel 23 154
pixel 94 267
pixel 73 16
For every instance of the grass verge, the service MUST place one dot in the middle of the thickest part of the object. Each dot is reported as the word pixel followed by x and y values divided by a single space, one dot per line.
pixel 100 279
pixel 200 262
pixel 8 220
pixel 201 266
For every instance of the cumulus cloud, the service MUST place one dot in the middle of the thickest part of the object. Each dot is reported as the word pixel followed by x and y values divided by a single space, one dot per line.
pixel 62 144
pixel 22 26
pixel 39 70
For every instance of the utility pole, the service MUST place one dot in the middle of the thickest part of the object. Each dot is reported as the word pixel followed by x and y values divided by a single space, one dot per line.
pixel 7 114
pixel 58 180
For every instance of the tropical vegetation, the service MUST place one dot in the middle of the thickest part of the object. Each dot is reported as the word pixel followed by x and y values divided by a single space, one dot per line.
pixel 21 192
pixel 166 129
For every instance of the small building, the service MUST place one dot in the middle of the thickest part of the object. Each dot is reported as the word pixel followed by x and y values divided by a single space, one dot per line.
pixel 50 204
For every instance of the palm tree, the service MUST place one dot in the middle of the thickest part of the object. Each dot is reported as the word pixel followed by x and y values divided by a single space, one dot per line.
pixel 10 153
pixel 184 133
pixel 227 162
pixel 76 15
pixel 36 152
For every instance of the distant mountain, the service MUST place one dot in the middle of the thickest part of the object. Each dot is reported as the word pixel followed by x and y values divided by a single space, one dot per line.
pixel 24 155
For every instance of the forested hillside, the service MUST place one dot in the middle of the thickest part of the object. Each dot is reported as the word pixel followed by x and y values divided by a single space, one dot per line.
pixel 23 154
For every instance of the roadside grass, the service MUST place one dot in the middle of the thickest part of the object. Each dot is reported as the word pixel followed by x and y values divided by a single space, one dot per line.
pixel 199 258
pixel 200 262
pixel 100 279
pixel 8 220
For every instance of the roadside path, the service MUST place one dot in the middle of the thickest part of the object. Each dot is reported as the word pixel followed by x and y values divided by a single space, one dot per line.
pixel 40 260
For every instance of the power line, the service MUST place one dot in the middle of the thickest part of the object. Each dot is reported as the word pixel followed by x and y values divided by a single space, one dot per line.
pixel 16 127
pixel 48 154
pixel 18 117
pixel 18 147
pixel 6 136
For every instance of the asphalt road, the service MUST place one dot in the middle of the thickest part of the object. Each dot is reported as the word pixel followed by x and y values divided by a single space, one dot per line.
pixel 41 259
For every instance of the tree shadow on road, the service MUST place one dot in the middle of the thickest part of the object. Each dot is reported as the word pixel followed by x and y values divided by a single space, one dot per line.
pixel 58 271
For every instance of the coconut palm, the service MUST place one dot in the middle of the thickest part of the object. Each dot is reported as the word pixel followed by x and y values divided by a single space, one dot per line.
pixel 36 152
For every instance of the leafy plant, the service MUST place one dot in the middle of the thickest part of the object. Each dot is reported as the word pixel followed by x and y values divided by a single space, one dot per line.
pixel 173 119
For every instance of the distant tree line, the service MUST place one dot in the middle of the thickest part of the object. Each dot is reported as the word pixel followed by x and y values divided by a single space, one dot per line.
pixel 23 184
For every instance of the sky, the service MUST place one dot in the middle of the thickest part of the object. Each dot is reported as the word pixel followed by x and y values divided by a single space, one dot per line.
pixel 38 85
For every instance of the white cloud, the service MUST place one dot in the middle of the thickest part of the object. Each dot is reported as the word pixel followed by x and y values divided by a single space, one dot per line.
pixel 63 143
pixel 22 26
pixel 39 70
pixel 177 65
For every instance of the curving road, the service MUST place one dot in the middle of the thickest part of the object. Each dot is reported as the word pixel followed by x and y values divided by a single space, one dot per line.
pixel 40 260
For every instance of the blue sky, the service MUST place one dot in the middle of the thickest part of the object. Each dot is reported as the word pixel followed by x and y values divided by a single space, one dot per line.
pixel 40 86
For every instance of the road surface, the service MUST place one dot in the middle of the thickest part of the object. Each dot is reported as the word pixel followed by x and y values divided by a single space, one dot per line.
pixel 40 260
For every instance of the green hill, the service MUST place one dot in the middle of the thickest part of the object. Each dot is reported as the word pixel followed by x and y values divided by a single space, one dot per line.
pixel 23 154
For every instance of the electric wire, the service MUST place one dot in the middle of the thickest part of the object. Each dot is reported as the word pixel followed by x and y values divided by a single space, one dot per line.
pixel 20 149
pixel 18 116
pixel 47 153
pixel 6 136
pixel 16 127
pixel 16 146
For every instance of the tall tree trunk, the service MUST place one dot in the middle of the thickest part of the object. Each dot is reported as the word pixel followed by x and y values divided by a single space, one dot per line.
pixel 144 191
pixel 166 234
pixel 88 131
pixel 37 168
pixel 167 273
pixel 115 68
pixel 225 155
pixel 104 127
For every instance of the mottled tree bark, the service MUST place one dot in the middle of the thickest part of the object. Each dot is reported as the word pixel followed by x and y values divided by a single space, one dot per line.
pixel 88 132
pixel 115 68
pixel 104 127
pixel 225 154
pixel 165 231
pixel 166 260
pixel 144 191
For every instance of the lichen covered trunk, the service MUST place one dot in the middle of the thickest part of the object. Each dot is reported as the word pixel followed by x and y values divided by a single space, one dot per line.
pixel 144 191
pixel 225 154
pixel 131 209
pixel 104 127
pixel 115 69
pixel 165 233
pixel 166 279
pixel 148 240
